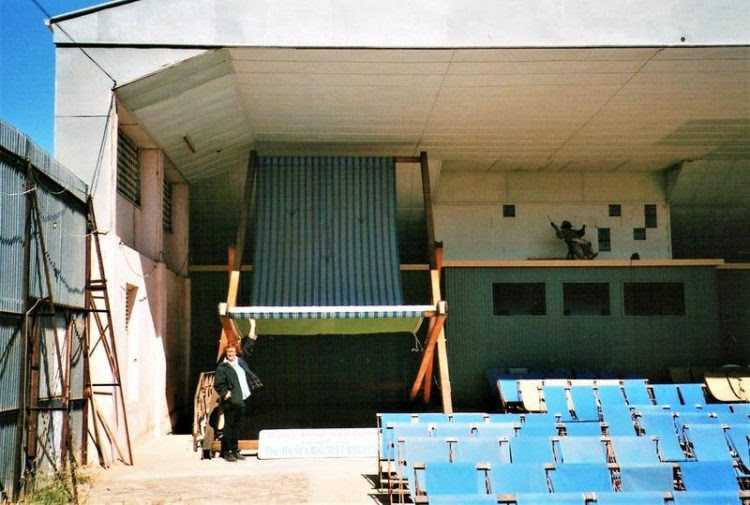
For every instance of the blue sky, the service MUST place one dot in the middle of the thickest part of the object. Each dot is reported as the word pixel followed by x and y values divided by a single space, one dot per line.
pixel 27 65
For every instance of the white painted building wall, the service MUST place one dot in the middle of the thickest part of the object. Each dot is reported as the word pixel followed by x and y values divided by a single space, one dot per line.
pixel 469 213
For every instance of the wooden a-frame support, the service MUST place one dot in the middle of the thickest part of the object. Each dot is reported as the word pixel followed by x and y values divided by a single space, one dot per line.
pixel 435 332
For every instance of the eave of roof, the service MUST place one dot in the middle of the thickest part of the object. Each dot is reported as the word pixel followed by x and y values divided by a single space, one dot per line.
pixel 88 10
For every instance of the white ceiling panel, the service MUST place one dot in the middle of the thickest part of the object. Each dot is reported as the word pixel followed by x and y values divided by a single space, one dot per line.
pixel 623 109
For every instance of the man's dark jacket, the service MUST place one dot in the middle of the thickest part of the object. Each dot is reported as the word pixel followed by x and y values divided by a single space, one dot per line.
pixel 226 379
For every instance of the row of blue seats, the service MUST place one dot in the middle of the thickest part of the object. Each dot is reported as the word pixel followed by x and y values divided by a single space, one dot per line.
pixel 706 443
pixel 678 442
pixel 438 482
pixel 585 401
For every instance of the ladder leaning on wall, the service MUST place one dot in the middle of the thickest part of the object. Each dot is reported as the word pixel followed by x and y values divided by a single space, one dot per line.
pixel 100 338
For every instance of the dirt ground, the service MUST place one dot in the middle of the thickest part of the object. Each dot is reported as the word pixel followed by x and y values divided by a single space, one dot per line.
pixel 167 470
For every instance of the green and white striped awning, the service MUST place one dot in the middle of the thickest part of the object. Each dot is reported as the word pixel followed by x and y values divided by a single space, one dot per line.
pixel 326 255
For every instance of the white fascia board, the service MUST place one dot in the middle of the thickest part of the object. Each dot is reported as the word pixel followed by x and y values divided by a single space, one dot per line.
pixel 413 23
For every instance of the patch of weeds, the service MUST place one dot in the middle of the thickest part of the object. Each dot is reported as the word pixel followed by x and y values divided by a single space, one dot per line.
pixel 48 492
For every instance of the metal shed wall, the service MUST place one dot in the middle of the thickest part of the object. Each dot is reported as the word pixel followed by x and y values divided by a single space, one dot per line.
pixel 61 198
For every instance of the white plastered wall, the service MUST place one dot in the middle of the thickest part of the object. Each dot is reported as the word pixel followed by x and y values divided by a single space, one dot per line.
pixel 135 250
pixel 469 213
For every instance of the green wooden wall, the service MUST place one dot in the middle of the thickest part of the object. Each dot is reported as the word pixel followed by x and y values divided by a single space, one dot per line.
pixel 734 298
pixel 649 345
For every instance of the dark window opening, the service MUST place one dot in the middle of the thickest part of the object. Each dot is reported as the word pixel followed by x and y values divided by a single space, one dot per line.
pixel 649 214
pixel 519 299
pixel 639 233
pixel 605 244
pixel 654 299
pixel 128 169
pixel 586 299
pixel 509 211
pixel 615 210
pixel 166 207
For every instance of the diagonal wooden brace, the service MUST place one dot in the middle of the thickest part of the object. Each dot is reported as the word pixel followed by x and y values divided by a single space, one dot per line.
pixel 429 353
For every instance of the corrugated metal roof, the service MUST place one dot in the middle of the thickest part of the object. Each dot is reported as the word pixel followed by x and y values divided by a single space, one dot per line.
pixel 22 146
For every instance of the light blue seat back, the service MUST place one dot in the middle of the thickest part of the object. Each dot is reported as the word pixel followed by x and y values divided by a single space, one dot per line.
pixel 482 450
pixel 583 429
pixel 656 477
pixel 630 498
pixel 442 478
pixel 531 450
pixel 619 420
pixel 495 430
pixel 636 392
pixel 556 402
pixel 635 450
pixel 610 395
pixel 709 476
pixel 519 478
pixel 692 394
pixel 709 442
pixel 666 394
pixel 539 425
pixel 581 477
pixel 662 425
pixel 581 450
pixel 584 403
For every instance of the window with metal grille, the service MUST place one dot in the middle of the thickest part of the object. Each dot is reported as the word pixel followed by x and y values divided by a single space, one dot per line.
pixel 605 243
pixel 615 210
pixel 509 211
pixel 166 207
pixel 649 215
pixel 128 169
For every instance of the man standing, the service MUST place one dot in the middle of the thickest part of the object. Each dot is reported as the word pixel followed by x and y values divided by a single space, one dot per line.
pixel 233 382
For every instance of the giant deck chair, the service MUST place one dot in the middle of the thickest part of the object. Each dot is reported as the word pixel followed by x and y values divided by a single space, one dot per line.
pixel 326 257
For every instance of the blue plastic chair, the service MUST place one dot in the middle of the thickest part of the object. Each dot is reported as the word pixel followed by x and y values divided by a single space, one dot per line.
pixel 684 418
pixel 463 499
pixel 656 477
pixel 584 403
pixel 636 392
pixel 583 429
pixel 508 388
pixel 709 442
pixel 610 395
pixel 432 418
pixel 503 418
pixel 635 450
pixel 519 478
pixel 739 438
pixel 556 402
pixel 467 417
pixel 581 450
pixel 709 476
pixel 666 394
pixel 418 450
pixel 692 394
pixel 581 477
pixel 539 425
pixel 440 478
pixel 705 498
pixel 495 430
pixel 619 420
pixel 662 425
pixel 393 431
pixel 454 430
pixel 741 408
pixel 482 450
pixel 531 450
pixel 550 498
pixel 630 498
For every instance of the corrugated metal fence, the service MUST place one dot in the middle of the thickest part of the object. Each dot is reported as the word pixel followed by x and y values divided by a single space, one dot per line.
pixel 28 173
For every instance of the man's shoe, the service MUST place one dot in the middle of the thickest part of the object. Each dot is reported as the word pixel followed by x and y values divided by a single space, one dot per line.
pixel 238 455
pixel 230 458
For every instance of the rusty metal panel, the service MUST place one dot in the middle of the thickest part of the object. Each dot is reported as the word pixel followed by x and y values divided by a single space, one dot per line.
pixel 11 342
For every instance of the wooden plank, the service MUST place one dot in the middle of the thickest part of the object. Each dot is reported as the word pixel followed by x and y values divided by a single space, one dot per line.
pixel 407 159
pixel 404 267
pixel 429 353
pixel 719 263
pixel 445 381
pixel 428 217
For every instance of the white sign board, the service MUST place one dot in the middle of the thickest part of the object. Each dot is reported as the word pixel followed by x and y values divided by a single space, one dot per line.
pixel 318 443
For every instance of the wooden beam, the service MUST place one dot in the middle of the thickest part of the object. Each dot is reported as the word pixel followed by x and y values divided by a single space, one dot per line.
pixel 445 381
pixel 551 263
pixel 428 217
pixel 429 353
pixel 407 159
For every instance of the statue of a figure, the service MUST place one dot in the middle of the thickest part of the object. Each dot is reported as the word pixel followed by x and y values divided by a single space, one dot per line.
pixel 578 247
